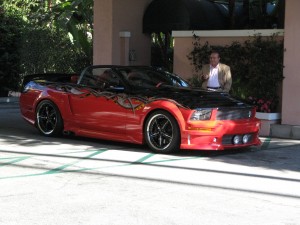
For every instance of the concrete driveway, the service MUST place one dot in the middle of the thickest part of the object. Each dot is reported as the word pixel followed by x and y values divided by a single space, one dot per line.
pixel 87 181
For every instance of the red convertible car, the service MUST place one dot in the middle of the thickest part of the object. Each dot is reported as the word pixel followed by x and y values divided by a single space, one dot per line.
pixel 142 105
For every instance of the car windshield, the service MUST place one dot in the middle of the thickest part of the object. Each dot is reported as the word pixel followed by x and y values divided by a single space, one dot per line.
pixel 145 77
pixel 99 77
pixel 148 77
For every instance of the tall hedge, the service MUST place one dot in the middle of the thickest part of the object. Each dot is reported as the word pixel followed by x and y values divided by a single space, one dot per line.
pixel 28 47
pixel 47 50
pixel 10 43
pixel 256 66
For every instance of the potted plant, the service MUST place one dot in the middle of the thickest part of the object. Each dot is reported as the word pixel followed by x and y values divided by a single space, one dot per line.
pixel 265 108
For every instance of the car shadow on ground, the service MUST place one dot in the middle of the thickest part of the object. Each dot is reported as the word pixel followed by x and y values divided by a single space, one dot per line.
pixel 143 148
pixel 277 155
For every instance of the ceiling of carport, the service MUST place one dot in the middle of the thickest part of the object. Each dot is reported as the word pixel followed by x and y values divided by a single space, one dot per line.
pixel 168 15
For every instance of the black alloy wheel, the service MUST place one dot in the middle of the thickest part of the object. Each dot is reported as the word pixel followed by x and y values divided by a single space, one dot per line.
pixel 48 119
pixel 161 132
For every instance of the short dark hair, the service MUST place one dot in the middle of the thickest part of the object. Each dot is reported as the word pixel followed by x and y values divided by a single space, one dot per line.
pixel 215 52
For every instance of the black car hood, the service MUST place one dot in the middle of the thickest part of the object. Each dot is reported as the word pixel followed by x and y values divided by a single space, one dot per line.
pixel 192 98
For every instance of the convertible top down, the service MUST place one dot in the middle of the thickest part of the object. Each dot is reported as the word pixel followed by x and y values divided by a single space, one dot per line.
pixel 142 105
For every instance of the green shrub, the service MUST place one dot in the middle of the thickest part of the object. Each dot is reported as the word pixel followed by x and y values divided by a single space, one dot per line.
pixel 10 38
pixel 45 51
pixel 28 47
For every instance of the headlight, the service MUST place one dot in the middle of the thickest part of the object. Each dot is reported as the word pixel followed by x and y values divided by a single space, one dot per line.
pixel 201 114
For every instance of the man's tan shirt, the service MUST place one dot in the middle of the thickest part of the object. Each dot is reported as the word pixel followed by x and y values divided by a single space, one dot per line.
pixel 224 76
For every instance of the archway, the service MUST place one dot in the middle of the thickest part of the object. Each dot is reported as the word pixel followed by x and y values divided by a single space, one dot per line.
pixel 164 16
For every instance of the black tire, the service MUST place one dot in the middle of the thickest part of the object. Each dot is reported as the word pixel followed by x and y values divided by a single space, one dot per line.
pixel 161 132
pixel 48 119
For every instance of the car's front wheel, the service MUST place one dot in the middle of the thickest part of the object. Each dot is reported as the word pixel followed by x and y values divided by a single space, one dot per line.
pixel 48 119
pixel 161 132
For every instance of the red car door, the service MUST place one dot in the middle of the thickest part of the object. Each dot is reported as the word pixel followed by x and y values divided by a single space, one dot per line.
pixel 98 113
pixel 99 109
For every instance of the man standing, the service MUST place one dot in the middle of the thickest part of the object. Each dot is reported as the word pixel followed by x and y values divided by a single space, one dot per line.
pixel 216 76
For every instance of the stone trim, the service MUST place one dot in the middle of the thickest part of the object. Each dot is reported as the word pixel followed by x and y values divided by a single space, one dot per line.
pixel 228 33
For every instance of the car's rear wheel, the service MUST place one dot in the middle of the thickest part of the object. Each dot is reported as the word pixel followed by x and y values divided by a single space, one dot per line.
pixel 48 119
pixel 161 132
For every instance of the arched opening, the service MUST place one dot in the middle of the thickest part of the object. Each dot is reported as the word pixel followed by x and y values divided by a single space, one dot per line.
pixel 163 16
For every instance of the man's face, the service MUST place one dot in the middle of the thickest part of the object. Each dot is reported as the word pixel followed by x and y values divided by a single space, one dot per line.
pixel 214 59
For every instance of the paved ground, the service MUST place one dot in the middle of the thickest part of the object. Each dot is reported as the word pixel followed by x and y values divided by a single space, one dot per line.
pixel 86 181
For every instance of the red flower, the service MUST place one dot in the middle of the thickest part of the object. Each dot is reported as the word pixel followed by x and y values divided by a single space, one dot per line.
pixel 263 104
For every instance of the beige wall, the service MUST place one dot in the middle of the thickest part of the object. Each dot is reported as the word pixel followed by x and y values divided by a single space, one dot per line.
pixel 291 83
pixel 102 46
pixel 112 17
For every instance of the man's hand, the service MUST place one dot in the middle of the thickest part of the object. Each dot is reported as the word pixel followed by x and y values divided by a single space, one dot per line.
pixel 205 76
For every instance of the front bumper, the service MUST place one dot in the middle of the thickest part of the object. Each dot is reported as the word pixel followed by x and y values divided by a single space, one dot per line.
pixel 219 135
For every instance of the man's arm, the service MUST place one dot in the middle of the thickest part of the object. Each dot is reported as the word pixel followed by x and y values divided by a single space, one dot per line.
pixel 228 79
